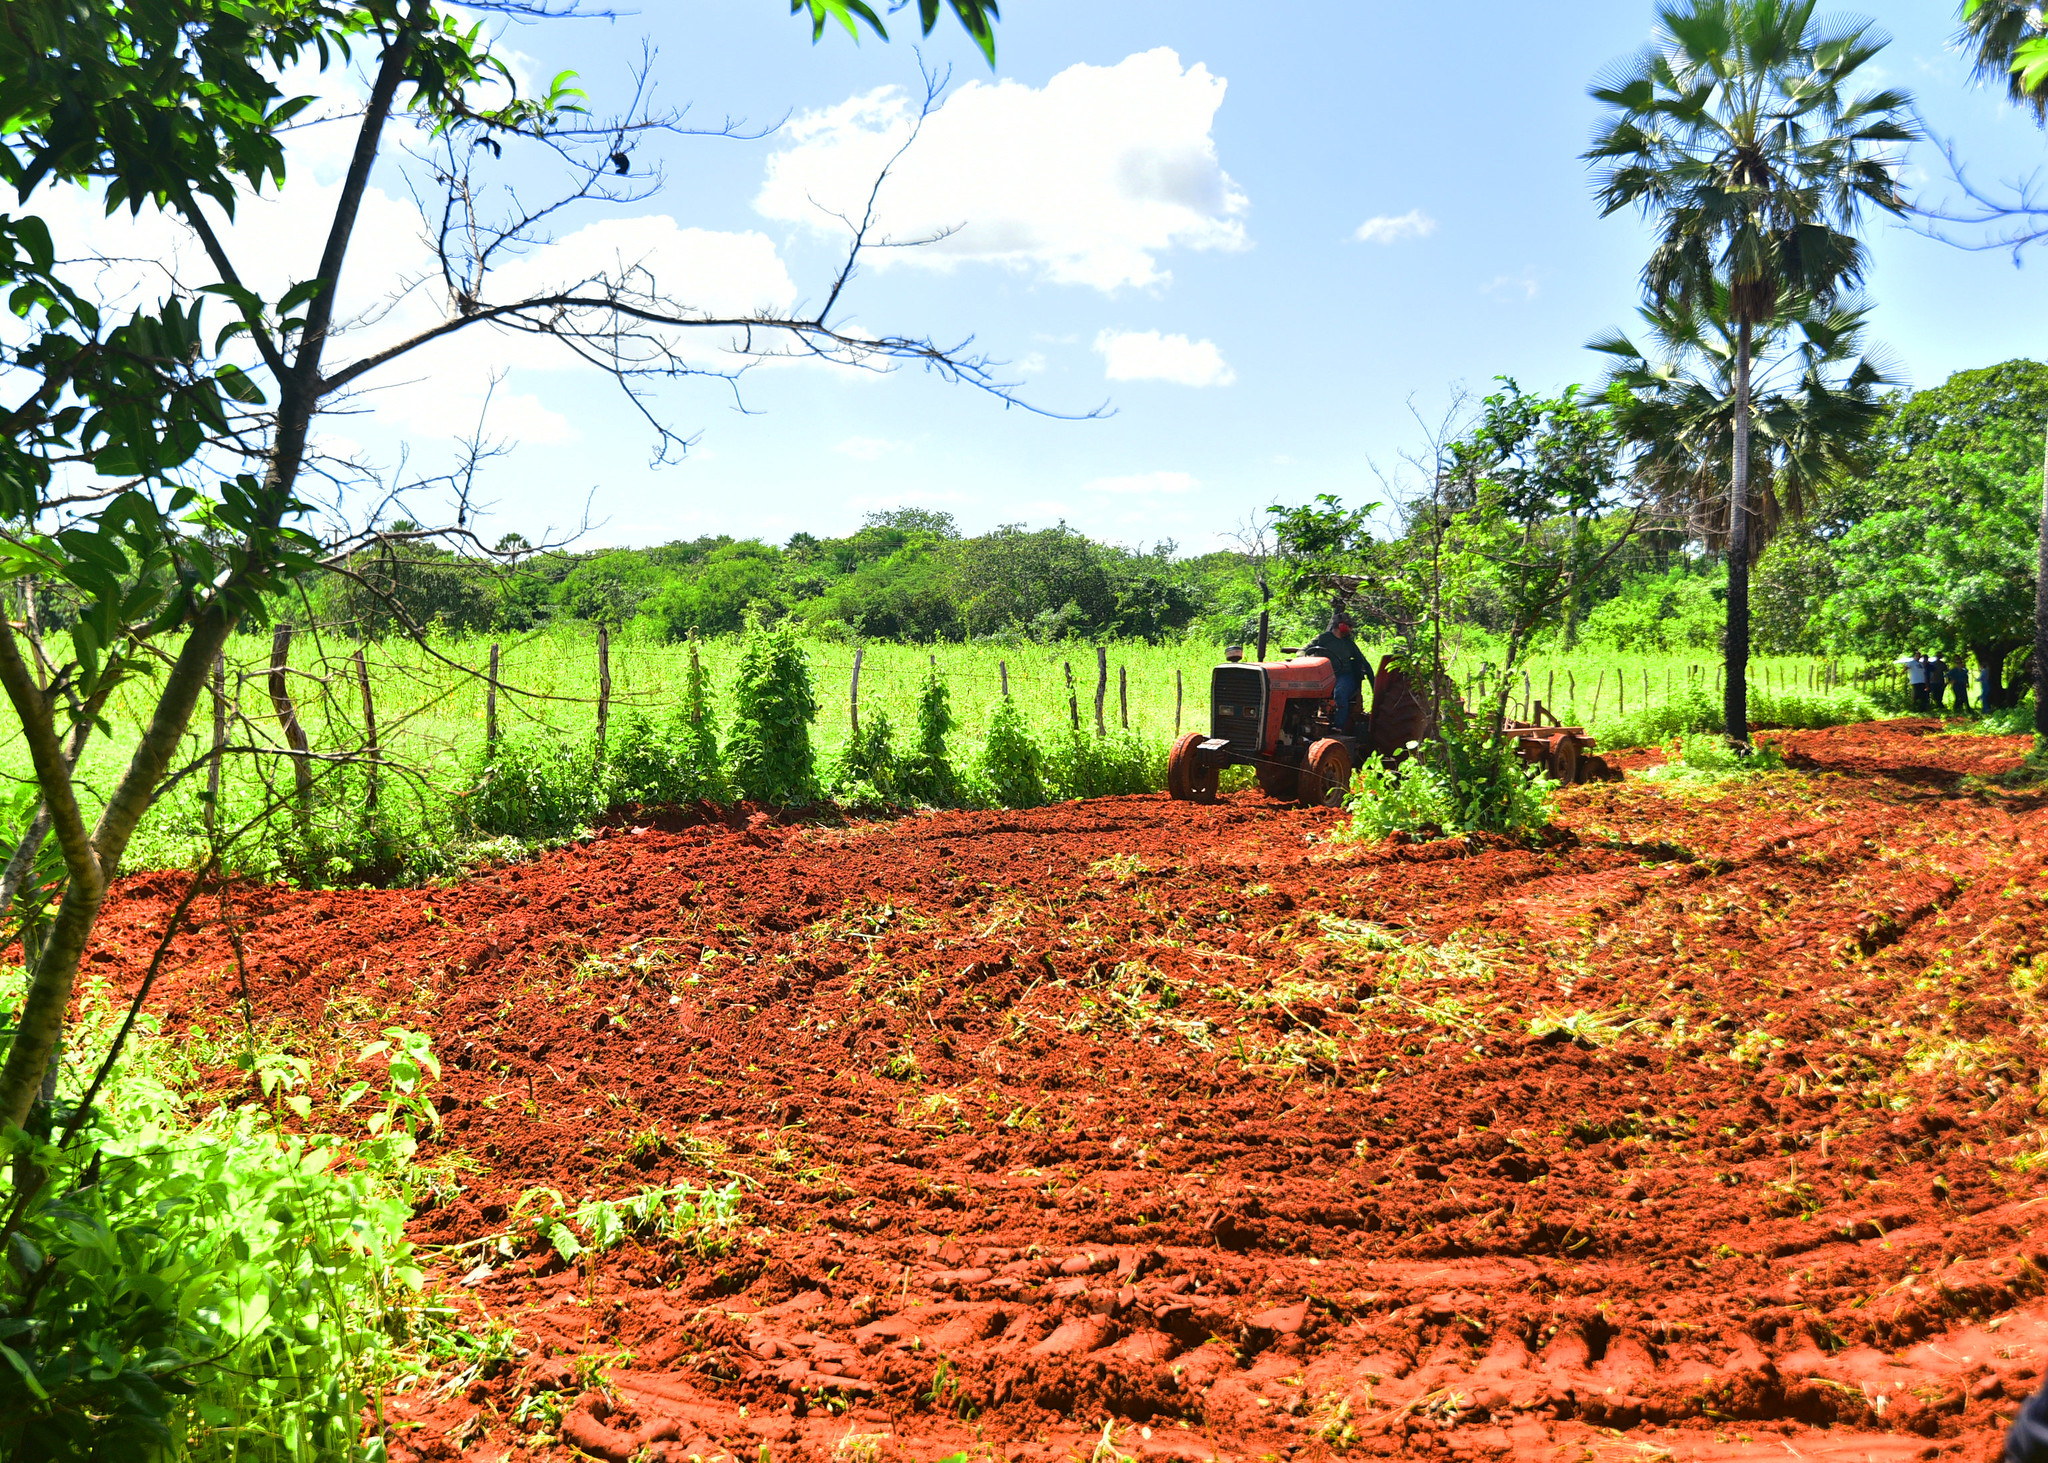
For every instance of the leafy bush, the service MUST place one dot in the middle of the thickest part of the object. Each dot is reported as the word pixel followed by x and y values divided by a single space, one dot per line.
pixel 2009 721
pixel 666 760
pixel 1467 782
pixel 1696 710
pixel 1010 773
pixel 868 775
pixel 1657 612
pixel 536 785
pixel 926 771
pixel 216 1289
pixel 1079 764
pixel 1707 757
pixel 768 755
pixel 1805 710
pixel 1652 726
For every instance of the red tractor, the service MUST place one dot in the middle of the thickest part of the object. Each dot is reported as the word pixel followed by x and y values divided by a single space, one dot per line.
pixel 1278 718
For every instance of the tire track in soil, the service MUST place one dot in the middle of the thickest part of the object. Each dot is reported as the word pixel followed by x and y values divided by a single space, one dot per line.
pixel 1237 1143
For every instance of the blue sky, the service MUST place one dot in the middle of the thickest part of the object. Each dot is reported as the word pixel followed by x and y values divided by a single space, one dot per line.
pixel 1182 213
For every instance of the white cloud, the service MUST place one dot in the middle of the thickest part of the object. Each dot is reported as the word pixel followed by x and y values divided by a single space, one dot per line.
pixel 1393 228
pixel 1086 180
pixel 1146 355
pixel 1145 484
pixel 1521 285
pixel 867 449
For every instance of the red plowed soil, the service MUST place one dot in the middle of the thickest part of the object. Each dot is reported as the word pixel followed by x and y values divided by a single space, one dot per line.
pixel 1708 1131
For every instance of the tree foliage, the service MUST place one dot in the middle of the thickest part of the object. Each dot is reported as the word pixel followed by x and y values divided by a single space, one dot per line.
pixel 1941 554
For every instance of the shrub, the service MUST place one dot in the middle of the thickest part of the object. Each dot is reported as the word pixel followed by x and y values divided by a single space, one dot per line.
pixel 1078 764
pixel 868 775
pixel 1469 782
pixel 1805 711
pixel 671 758
pixel 768 755
pixel 217 1289
pixel 2009 721
pixel 1697 710
pixel 926 771
pixel 537 784
pixel 1693 711
pixel 1010 772
pixel 658 760
pixel 1707 757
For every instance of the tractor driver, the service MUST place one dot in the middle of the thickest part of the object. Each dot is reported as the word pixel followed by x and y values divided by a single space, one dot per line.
pixel 1346 659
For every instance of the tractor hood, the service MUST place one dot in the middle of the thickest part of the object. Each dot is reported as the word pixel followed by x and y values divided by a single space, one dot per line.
pixel 1310 677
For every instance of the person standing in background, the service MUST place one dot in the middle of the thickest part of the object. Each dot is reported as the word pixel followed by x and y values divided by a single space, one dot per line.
pixel 1916 677
pixel 1937 681
pixel 1959 686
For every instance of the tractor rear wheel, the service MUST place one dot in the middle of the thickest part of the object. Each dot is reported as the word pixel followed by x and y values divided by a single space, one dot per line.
pixel 1278 780
pixel 1187 780
pixel 1326 775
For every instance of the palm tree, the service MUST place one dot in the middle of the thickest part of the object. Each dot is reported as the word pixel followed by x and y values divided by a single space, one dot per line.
pixel 1734 131
pixel 1813 398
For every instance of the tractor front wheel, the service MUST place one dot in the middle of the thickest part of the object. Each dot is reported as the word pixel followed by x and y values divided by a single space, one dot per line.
pixel 1187 780
pixel 1326 775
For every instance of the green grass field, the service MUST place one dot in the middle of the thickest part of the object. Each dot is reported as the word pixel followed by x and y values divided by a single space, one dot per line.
pixel 431 709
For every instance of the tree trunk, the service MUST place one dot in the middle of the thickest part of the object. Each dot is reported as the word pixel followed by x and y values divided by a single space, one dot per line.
pixel 91 860
pixel 1993 694
pixel 1735 696
pixel 2041 615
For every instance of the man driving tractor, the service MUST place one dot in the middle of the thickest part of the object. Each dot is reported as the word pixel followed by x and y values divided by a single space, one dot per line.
pixel 1346 660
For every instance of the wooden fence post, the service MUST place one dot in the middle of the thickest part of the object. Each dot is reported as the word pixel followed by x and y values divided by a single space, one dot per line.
pixel 1101 687
pixel 1621 691
pixel 1599 684
pixel 1123 697
pixel 371 750
pixel 1003 670
pixel 1176 703
pixel 220 740
pixel 1264 621
pixel 1550 689
pixel 1571 693
pixel 1073 698
pixel 490 700
pixel 294 733
pixel 853 695
pixel 604 684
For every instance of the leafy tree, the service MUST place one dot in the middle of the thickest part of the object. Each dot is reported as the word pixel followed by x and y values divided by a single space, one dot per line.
pixel 119 420
pixel 1735 132
pixel 2011 46
pixel 609 588
pixel 715 600
pixel 401 584
pixel 1021 580
pixel 1943 555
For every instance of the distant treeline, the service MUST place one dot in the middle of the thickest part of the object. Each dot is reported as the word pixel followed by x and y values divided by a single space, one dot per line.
pixel 908 574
